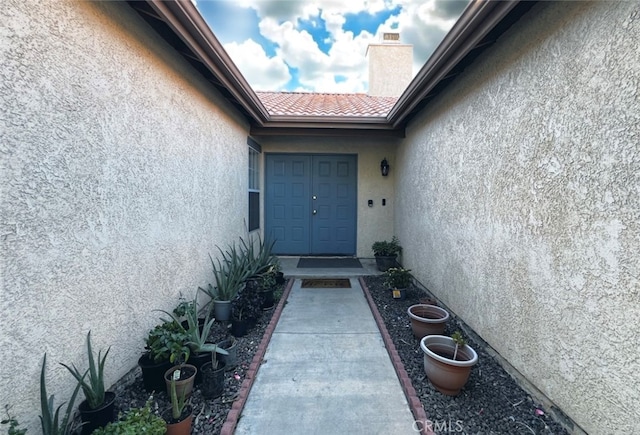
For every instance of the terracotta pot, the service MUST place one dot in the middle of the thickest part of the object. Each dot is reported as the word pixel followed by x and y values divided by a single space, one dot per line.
pixel 183 386
pixel 447 375
pixel 183 427
pixel 427 320
pixel 101 416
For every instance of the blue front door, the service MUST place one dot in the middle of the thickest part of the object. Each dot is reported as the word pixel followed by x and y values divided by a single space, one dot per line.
pixel 310 204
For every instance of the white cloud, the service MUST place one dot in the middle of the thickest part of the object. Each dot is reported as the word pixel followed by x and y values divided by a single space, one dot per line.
pixel 262 72
pixel 420 23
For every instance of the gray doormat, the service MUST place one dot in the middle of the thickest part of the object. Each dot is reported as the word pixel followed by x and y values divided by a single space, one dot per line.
pixel 326 283
pixel 330 263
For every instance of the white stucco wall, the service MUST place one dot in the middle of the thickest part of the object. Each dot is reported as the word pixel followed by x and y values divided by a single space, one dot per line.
pixel 374 223
pixel 120 170
pixel 390 69
pixel 518 205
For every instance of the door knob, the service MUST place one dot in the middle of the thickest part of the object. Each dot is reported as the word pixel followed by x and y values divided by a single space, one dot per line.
pixel 314 197
pixel 315 212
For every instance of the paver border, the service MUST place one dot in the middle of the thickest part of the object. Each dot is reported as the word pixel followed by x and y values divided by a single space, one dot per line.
pixel 415 405
pixel 230 423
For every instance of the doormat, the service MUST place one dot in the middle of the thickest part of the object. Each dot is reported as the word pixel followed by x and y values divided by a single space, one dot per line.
pixel 329 263
pixel 326 283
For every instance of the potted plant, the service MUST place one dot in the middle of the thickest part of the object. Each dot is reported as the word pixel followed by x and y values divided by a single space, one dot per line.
pixel 386 253
pixel 213 377
pixel 97 408
pixel 230 275
pixel 196 334
pixel 183 374
pixel 50 419
pixel 179 417
pixel 162 343
pixel 427 319
pixel 230 359
pixel 246 310
pixel 135 421
pixel 398 279
pixel 447 362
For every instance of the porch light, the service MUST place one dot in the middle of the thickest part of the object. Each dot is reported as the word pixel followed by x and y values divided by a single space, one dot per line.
pixel 384 167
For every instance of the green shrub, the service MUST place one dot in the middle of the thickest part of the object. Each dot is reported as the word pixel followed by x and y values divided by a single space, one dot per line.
pixel 136 421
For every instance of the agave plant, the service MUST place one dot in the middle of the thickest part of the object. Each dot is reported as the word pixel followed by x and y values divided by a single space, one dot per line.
pixel 93 387
pixel 50 418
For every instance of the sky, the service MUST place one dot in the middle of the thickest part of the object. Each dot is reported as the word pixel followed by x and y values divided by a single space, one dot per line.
pixel 320 45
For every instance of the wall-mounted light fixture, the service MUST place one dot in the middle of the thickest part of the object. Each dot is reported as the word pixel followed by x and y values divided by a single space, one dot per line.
pixel 384 167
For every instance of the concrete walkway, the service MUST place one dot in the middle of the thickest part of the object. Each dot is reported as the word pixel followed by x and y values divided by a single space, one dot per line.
pixel 326 371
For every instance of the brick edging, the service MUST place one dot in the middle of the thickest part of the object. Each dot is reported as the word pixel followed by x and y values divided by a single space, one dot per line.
pixel 233 416
pixel 415 405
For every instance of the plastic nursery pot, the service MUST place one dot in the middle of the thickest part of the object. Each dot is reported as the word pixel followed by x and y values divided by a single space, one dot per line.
pixel 198 360
pixel 385 262
pixel 427 320
pixel 153 373
pixel 222 310
pixel 231 360
pixel 212 380
pixel 399 294
pixel 92 419
pixel 239 328
pixel 184 385
pixel 446 374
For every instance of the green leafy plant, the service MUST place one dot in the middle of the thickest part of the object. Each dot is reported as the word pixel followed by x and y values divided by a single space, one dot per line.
pixel 229 274
pixel 259 259
pixel 136 421
pixel 184 308
pixel 52 424
pixel 459 340
pixel 387 249
pixel 168 342
pixel 14 426
pixel 93 387
pixel 397 277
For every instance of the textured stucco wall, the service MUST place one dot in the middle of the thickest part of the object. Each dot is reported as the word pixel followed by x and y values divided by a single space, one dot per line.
pixel 374 223
pixel 120 170
pixel 518 204
pixel 390 69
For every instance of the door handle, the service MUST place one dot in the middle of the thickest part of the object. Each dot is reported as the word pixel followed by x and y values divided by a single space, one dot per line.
pixel 314 197
pixel 315 212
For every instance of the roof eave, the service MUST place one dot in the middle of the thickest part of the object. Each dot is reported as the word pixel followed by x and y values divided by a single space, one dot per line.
pixel 477 20
pixel 186 22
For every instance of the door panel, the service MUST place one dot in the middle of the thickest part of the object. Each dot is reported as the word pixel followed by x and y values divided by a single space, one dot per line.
pixel 310 205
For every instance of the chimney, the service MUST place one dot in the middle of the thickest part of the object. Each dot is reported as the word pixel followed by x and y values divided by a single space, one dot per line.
pixel 390 66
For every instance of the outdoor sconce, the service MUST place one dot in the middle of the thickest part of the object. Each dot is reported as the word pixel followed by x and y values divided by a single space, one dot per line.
pixel 384 167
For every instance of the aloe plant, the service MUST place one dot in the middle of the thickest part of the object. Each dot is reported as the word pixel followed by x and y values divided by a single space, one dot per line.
pixel 50 418
pixel 93 388
pixel 459 340
pixel 177 403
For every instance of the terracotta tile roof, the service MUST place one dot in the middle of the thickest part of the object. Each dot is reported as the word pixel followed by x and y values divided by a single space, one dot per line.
pixel 314 104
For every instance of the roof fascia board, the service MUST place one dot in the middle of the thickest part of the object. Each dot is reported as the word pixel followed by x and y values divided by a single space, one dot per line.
pixel 475 22
pixel 185 20
pixel 325 131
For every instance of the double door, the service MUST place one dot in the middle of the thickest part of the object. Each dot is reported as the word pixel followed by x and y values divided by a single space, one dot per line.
pixel 310 203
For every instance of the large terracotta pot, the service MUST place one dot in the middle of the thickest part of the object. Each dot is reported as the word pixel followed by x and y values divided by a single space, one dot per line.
pixel 445 373
pixel 427 320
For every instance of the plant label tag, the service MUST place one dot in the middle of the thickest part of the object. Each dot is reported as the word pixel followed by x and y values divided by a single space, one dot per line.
pixel 396 293
pixel 176 375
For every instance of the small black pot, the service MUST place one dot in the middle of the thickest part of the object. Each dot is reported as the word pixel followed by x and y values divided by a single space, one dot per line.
pixel 92 419
pixel 267 299
pixel 385 262
pixel 212 380
pixel 280 278
pixel 239 328
pixel 153 373
pixel 198 360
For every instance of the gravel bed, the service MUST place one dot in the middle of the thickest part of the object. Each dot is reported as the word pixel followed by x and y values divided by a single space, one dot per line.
pixel 208 415
pixel 490 403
